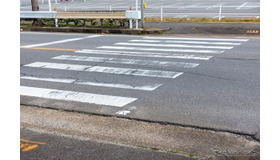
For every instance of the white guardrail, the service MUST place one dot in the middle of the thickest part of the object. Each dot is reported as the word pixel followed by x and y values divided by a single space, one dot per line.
pixel 82 14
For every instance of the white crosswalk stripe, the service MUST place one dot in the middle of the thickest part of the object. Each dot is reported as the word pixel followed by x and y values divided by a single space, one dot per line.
pixel 62 41
pixel 127 61
pixel 185 42
pixel 173 45
pixel 160 49
pixel 199 39
pixel 111 70
pixel 148 87
pixel 76 96
pixel 146 54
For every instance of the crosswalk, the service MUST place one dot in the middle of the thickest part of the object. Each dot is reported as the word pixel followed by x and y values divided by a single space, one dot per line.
pixel 171 56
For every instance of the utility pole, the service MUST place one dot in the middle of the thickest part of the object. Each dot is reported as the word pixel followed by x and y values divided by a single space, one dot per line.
pixel 142 13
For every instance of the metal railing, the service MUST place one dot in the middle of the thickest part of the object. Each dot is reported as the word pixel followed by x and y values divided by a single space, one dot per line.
pixel 38 14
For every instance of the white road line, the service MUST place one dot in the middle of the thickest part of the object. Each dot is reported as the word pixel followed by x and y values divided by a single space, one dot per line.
pixel 173 45
pixel 215 6
pixel 242 5
pixel 111 70
pixel 200 42
pixel 49 79
pixel 139 40
pixel 61 41
pixel 146 54
pixel 71 67
pixel 198 39
pixel 188 42
pixel 246 15
pixel 159 49
pixel 148 87
pixel 93 36
pixel 55 42
pixel 76 96
pixel 127 61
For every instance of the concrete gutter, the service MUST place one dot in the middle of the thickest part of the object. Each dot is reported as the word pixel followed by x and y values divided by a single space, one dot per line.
pixel 191 142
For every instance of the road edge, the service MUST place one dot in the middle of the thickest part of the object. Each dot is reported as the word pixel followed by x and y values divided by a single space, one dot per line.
pixel 192 142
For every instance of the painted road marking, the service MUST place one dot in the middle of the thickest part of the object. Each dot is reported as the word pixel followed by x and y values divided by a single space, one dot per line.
pixel 173 45
pixel 111 70
pixel 253 31
pixel 53 49
pixel 187 42
pixel 145 54
pixel 56 94
pixel 61 41
pixel 148 41
pixel 199 39
pixel 215 6
pixel 148 87
pixel 242 5
pixel 127 61
pixel 160 49
pixel 26 145
pixel 55 42
pixel 47 65
pixel 126 111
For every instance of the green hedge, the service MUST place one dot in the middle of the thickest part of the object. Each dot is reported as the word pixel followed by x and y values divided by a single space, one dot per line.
pixel 104 23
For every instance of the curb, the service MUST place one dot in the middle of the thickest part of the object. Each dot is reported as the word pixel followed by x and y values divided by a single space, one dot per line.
pixel 97 30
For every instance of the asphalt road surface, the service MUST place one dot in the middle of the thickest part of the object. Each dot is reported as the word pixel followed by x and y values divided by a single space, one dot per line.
pixel 34 145
pixel 202 82
pixel 177 8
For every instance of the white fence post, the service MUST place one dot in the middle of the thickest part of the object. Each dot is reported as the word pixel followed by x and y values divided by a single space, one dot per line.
pixel 50 6
pixel 56 22
pixel 220 12
pixel 130 23
pixel 161 12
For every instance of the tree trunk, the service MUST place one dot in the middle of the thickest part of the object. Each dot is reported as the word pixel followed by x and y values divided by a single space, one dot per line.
pixel 35 7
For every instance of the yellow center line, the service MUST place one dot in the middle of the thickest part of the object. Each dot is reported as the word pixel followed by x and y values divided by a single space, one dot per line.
pixel 55 49
pixel 23 145
pixel 30 147
pixel 23 140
